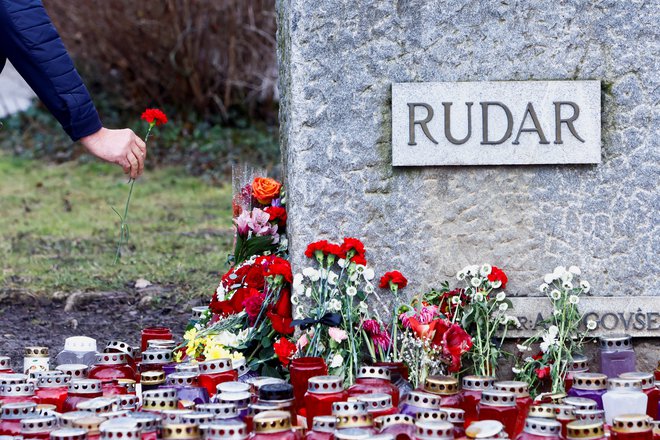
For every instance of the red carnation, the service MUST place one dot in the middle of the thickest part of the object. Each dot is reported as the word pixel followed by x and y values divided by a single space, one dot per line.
pixel 354 247
pixel 281 324
pixel 283 305
pixel 254 277
pixel 280 266
pixel 284 349
pixel 252 305
pixel 542 373
pixel 498 274
pixel 317 246
pixel 277 215
pixel 394 278
pixel 333 249
pixel 154 116
pixel 359 259
pixel 220 307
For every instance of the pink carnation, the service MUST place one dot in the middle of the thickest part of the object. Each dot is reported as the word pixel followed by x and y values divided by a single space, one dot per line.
pixel 337 334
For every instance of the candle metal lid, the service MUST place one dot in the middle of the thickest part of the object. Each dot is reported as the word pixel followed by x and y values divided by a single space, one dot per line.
pixel 543 427
pixel 147 422
pixel 90 424
pixel 37 352
pixel 121 428
pixel 520 389
pixel 85 386
pixel 187 368
pixel 5 362
pixel 368 372
pixel 454 415
pixel 349 408
pixel 259 407
pixel 53 380
pixel 441 385
pixel 156 357
pixel 421 399
pixel 325 385
pixel 97 405
pixel 161 344
pixel 152 377
pixel 581 402
pixel 121 347
pixel 589 381
pixel 580 363
pixel 498 398
pixel 383 422
pixel 353 434
pixel 232 387
pixel 215 366
pixel 484 429
pixel 76 371
pixel 127 401
pixel 564 411
pixel 68 434
pixel 632 423
pixel 197 417
pixel 13 378
pixel 219 410
pixel 439 430
pixel 272 421
pixel 18 411
pixel 376 401
pixel 276 392
pixel 324 424
pixel 182 379
pixel 240 400
pixel 355 421
pixel 240 365
pixel 171 416
pixel 478 383
pixel 617 383
pixel 647 379
pixel 17 390
pixel 68 418
pixel 616 342
pixel 543 411
pixel 432 416
pixel 582 429
pixel 590 414
pixel 34 425
pixel 180 431
pixel 228 430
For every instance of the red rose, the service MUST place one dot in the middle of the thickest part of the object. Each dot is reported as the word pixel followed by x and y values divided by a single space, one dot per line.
pixel 498 274
pixel 283 304
pixel 277 215
pixel 284 349
pixel 456 342
pixel 542 373
pixel 281 324
pixel 393 278
pixel 280 266
pixel 353 246
pixel 317 246
pixel 154 116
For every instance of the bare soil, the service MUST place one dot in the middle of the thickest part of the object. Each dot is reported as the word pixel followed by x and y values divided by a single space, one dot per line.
pixel 105 316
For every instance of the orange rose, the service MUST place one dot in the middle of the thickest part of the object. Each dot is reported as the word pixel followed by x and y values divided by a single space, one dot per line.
pixel 265 189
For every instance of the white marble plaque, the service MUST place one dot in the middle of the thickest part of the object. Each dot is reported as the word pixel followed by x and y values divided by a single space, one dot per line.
pixel 496 123
pixel 633 315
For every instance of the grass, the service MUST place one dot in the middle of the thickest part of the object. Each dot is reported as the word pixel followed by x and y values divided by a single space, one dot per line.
pixel 58 232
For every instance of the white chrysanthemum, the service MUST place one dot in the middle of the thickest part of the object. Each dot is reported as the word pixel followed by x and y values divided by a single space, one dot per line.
pixel 295 300
pixel 549 340
pixel 369 274
pixel 479 296
pixel 334 305
pixel 363 307
pixel 351 291
pixel 455 299
pixel 529 359
pixel 566 277
pixel 309 272
pixel 299 312
pixel 308 292
pixel 523 347
pixel 337 361
pixel 504 307
pixel 341 263
pixel 559 271
pixel 332 278
pixel 553 330
pixel 460 276
pixel 221 292
pixel 369 288
pixel 575 270
pixel 485 270
pixel 496 284
pixel 543 288
pixel 298 283
pixel 476 282
pixel 567 285
pixel 500 296
pixel 548 278
pixel 359 268
pixel 591 324
pixel 556 312
pixel 574 299
pixel 353 277
pixel 585 286
pixel 555 294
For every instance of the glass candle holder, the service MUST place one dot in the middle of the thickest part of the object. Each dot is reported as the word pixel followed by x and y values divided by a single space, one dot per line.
pixel 301 369
pixel 225 430
pixel 109 368
pixel 564 414
pixel 12 414
pixel 53 390
pixel 371 380
pixel 68 434
pixel 580 364
pixel 523 400
pixel 471 395
pixel 585 430
pixel 187 388
pixel 122 347
pixel 447 388
pixel 541 429
pixel 212 373
pixel 281 396
pixel 399 426
pixel 648 387
pixel 156 360
pixel 77 350
pixel 35 359
pixel 75 371
pixel 150 333
pixel 399 374
pixel 18 392
pixel 589 385
pixel 632 427
pixel 273 425
pixel 322 392
pixel 418 401
pixel 81 390
pixel 322 428
pixel 500 406
pixel 616 355
pixel 378 404
pixel 623 396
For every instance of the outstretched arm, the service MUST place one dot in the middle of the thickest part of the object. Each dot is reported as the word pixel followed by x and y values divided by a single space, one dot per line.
pixel 30 41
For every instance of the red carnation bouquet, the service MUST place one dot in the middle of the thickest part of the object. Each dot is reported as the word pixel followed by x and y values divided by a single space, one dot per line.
pixel 153 117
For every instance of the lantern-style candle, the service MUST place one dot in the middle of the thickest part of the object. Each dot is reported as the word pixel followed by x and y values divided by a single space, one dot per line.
pixel 212 373
pixel 523 400
pixel 471 395
pixel 632 427
pixel 399 426
pixel 500 406
pixel 580 364
pixel 322 428
pixel 584 430
pixel 616 355
pixel 623 396
pixel 273 425
pixel 322 392
pixel 648 388
pixel 12 414
pixel 374 380
pixel 418 401
pixel 447 388
pixel 301 369
pixel 589 385
pixel 541 429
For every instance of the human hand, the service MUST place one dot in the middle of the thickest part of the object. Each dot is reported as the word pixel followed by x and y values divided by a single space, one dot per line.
pixel 122 147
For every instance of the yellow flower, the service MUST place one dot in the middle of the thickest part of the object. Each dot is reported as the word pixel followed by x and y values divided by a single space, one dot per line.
pixel 178 355
pixel 190 334
pixel 215 351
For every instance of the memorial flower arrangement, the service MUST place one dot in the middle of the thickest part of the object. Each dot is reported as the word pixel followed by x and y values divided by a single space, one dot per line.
pixel 561 336
pixel 480 307
pixel 154 117
pixel 251 308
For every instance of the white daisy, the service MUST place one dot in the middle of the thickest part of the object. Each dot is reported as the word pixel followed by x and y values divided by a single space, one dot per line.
pixel 574 299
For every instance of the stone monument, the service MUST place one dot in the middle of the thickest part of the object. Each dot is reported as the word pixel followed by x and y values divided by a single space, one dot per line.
pixel 339 62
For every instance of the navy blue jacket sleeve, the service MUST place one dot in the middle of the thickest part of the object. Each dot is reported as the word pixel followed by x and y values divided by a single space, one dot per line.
pixel 31 43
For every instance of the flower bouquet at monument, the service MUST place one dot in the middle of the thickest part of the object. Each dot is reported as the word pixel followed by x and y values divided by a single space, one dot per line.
pixel 561 335
pixel 334 291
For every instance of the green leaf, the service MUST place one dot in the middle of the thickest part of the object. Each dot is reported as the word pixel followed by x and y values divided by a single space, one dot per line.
pixel 266 342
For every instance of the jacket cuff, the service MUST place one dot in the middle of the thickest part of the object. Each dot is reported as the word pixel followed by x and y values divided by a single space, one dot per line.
pixel 84 127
